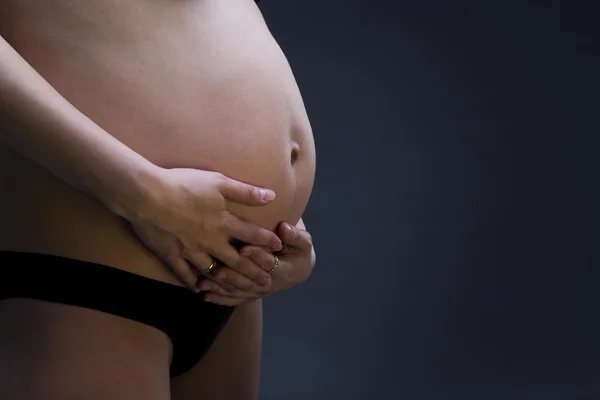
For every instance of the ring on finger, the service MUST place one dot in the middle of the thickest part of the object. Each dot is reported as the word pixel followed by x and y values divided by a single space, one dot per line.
pixel 212 266
pixel 275 264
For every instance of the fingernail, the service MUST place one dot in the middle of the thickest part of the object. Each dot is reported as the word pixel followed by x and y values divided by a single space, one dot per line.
pixel 245 251
pixel 267 195
pixel 278 246
pixel 265 281
pixel 205 287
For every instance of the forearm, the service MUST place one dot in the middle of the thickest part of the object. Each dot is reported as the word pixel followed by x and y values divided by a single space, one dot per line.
pixel 50 131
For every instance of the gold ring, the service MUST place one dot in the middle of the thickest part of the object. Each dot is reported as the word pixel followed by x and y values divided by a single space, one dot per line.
pixel 275 264
pixel 213 264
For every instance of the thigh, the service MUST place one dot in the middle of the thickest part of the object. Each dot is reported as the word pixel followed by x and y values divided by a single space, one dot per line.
pixel 230 370
pixel 54 351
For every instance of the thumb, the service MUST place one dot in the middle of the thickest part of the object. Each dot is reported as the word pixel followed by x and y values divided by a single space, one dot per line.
pixel 293 236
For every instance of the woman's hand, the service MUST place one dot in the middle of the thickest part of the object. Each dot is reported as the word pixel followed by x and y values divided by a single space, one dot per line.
pixel 180 214
pixel 294 264
pixel 184 220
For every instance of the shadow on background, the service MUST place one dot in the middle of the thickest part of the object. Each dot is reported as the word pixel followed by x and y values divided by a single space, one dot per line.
pixel 454 212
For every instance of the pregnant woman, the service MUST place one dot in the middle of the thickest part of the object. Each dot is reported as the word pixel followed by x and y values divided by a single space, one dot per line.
pixel 155 162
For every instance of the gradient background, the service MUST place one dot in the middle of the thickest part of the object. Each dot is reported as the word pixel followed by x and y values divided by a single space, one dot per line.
pixel 454 213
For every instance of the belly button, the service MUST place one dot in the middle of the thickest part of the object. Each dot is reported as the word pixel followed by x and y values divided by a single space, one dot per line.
pixel 295 153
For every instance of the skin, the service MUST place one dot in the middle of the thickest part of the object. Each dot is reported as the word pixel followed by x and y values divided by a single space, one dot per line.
pixel 235 356
pixel 186 86
pixel 296 260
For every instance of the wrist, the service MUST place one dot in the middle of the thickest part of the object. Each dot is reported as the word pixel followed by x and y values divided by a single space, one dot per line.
pixel 133 198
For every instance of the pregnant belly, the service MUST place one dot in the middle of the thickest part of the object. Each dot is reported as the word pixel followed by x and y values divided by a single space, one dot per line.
pixel 198 84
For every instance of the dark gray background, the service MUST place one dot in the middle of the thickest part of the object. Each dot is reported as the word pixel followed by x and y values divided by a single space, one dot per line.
pixel 453 212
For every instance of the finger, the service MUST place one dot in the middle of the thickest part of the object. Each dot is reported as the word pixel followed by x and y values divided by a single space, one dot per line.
pixel 261 257
pixel 244 193
pixel 250 233
pixel 184 272
pixel 229 289
pixel 225 254
pixel 237 280
pixel 292 236
pixel 198 260
pixel 214 287
pixel 252 271
pixel 206 285
pixel 223 300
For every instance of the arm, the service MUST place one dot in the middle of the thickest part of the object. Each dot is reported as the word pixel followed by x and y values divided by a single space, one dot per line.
pixel 54 134
pixel 167 207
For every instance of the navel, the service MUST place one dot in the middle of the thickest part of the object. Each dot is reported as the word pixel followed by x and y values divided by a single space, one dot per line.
pixel 295 153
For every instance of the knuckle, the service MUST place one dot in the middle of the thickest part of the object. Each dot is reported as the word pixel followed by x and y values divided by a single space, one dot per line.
pixel 202 225
pixel 226 222
pixel 251 192
pixel 248 251
pixel 308 237
pixel 220 178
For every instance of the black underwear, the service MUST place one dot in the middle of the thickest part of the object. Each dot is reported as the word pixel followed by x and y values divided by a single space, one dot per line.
pixel 191 323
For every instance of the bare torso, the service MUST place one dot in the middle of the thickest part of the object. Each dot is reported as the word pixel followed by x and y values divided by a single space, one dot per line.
pixel 199 84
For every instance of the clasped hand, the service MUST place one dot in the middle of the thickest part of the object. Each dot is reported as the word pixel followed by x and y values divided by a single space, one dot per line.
pixel 184 220
pixel 288 267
